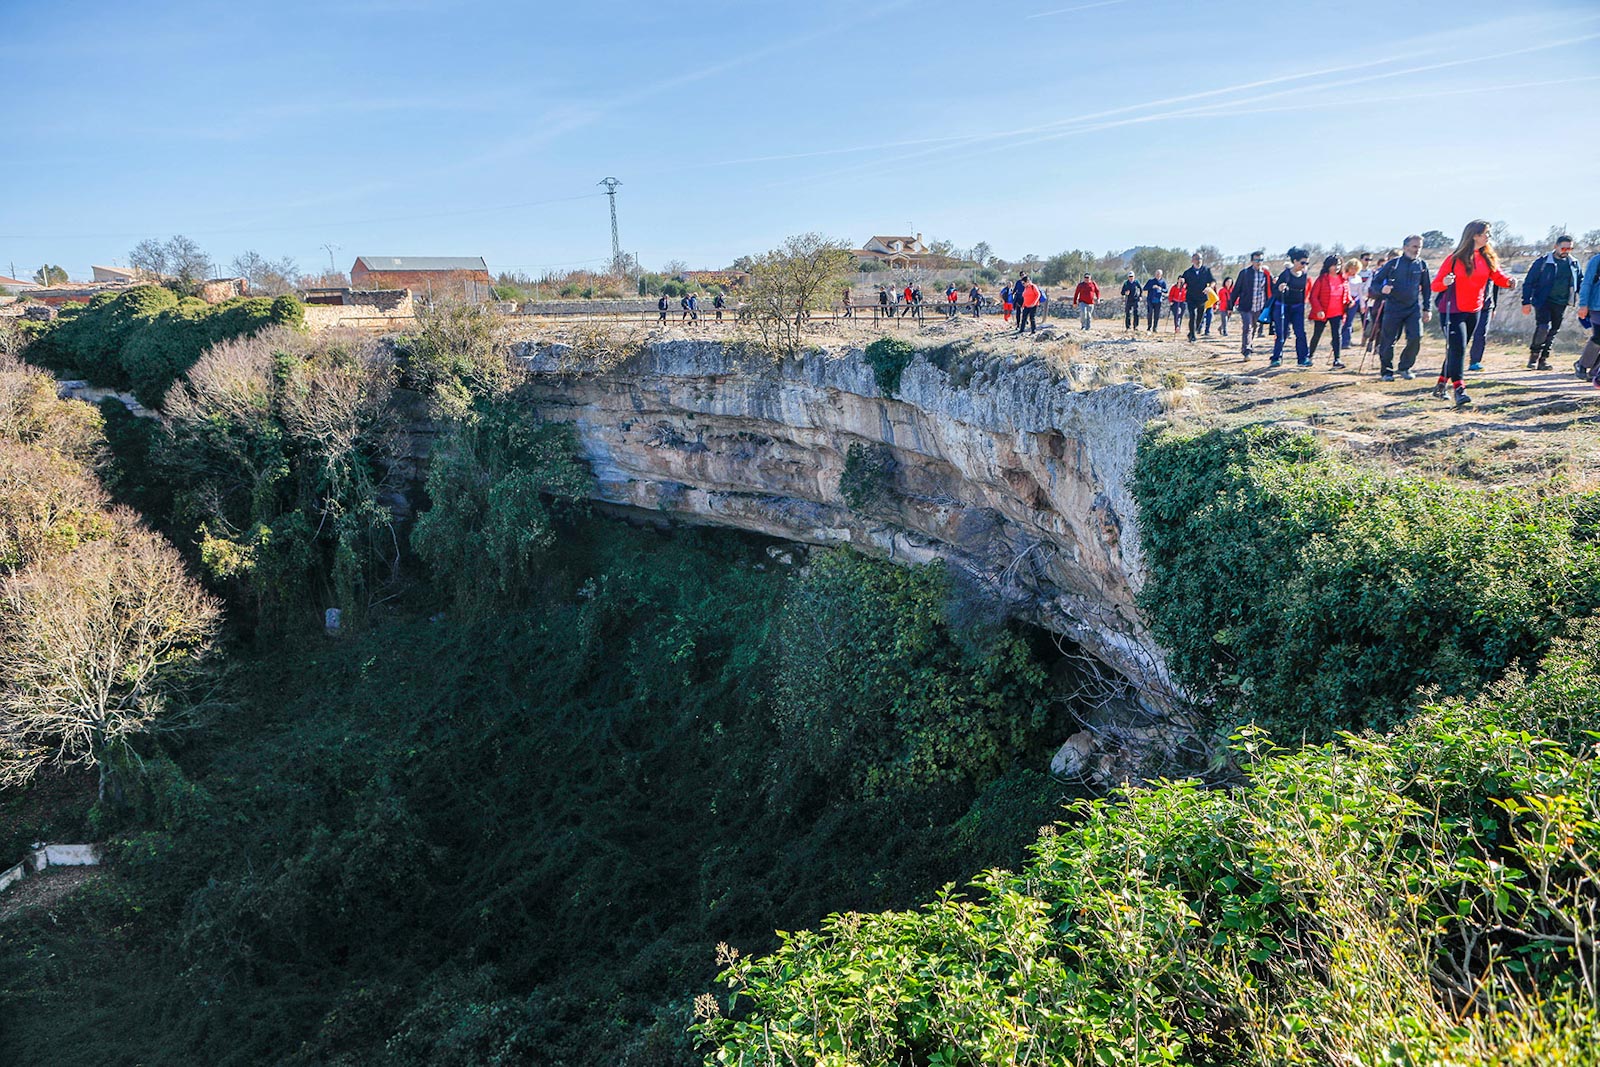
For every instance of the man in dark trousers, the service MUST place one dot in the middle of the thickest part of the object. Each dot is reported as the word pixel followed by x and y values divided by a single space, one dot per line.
pixel 1155 291
pixel 1551 286
pixel 1405 292
pixel 1131 291
pixel 1195 281
pixel 661 306
pixel 1252 292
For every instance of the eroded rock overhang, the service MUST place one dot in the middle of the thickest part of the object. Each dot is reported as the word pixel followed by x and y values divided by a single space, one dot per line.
pixel 1001 468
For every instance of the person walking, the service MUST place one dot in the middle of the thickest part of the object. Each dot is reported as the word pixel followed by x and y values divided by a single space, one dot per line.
pixel 1401 295
pixel 1131 292
pixel 1224 294
pixel 1155 292
pixel 661 306
pixel 1467 273
pixel 1289 313
pixel 883 303
pixel 1195 281
pixel 1588 365
pixel 1251 296
pixel 1006 295
pixel 1211 305
pixel 719 302
pixel 916 302
pixel 849 307
pixel 975 298
pixel 1329 299
pixel 1552 285
pixel 1179 303
pixel 1084 298
pixel 1027 306
pixel 905 298
pixel 1357 289
pixel 950 299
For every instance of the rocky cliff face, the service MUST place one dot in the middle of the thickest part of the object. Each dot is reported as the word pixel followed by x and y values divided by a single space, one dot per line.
pixel 1000 468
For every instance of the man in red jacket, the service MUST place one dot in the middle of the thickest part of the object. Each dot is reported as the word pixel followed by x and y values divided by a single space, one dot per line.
pixel 1084 299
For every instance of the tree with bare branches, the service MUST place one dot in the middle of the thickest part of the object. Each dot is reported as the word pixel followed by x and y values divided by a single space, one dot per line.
pixel 99 646
pixel 787 284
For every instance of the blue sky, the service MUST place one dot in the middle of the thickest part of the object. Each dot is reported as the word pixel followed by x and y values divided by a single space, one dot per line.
pixel 431 127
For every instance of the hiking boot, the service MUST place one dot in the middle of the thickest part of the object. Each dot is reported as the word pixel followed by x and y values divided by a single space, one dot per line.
pixel 1338 364
pixel 1532 363
pixel 1274 362
pixel 1386 377
pixel 1577 368
pixel 1475 367
pixel 1441 390
pixel 1462 399
pixel 1407 375
pixel 1543 364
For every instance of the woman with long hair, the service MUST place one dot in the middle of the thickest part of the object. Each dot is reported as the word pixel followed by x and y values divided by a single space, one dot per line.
pixel 1466 274
pixel 1328 298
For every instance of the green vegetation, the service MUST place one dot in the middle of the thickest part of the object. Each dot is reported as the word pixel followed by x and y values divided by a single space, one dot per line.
pixel 888 357
pixel 146 337
pixel 1310 596
pixel 519 835
pixel 1426 898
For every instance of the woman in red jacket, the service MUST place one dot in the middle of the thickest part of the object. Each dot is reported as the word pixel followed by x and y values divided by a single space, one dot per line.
pixel 1466 273
pixel 1328 297
pixel 1224 296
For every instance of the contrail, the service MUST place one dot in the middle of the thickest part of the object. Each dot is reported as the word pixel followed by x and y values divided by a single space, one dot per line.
pixel 1080 7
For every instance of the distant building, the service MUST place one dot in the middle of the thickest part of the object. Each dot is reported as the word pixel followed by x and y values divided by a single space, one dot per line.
pixel 17 285
pixel 114 274
pixel 464 277
pixel 899 252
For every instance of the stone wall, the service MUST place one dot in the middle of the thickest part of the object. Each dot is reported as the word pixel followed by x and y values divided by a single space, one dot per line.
pixel 1003 469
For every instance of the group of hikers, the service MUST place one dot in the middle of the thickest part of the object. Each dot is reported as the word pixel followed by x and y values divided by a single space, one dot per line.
pixel 1388 294
pixel 689 303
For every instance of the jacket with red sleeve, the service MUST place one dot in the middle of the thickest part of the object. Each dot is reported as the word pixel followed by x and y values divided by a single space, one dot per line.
pixel 1086 293
pixel 1244 290
pixel 1469 287
pixel 1329 295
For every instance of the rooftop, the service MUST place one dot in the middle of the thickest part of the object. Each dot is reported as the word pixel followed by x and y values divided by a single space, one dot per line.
pixel 381 263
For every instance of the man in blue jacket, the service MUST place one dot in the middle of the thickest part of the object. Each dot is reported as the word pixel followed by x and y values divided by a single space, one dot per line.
pixel 1549 289
pixel 1406 289
pixel 1155 291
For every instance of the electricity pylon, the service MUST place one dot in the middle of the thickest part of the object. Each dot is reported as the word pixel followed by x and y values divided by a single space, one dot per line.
pixel 617 263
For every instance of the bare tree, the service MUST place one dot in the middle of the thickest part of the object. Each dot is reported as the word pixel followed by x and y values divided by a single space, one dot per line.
pixel 185 260
pixel 980 253
pixel 99 646
pixel 788 284
pixel 266 277
pixel 149 258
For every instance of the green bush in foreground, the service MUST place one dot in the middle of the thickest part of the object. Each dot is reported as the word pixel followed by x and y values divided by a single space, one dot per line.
pixel 1429 898
pixel 1309 596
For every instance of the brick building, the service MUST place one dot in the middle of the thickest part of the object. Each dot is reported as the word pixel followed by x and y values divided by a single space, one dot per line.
pixel 464 277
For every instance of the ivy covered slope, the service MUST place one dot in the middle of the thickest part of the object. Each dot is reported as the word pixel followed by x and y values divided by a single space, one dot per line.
pixel 1425 896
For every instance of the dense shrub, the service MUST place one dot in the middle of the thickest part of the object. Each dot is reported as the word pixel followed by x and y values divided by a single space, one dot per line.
pixel 1428 898
pixel 458 352
pixel 496 483
pixel 146 337
pixel 888 357
pixel 876 688
pixel 278 455
pixel 1312 596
